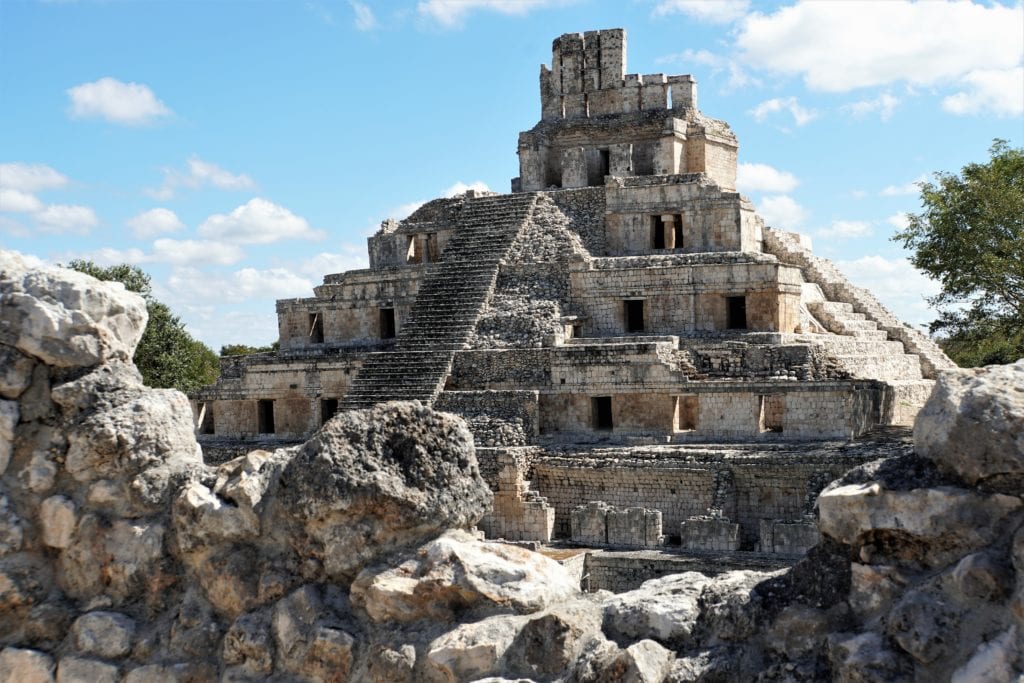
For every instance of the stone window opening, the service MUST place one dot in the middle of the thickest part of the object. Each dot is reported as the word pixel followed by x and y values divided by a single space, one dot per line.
pixel 667 231
pixel 413 254
pixel 601 413
pixel 771 408
pixel 206 425
pixel 577 331
pixel 633 312
pixel 736 312
pixel 265 416
pixel 606 162
pixel 316 328
pixel 387 323
pixel 328 409
pixel 685 413
pixel 430 248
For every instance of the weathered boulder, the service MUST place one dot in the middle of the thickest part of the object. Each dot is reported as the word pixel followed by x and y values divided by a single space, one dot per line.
pixel 67 319
pixel 973 426
pixel 664 609
pixel 377 480
pixel 107 635
pixel 456 572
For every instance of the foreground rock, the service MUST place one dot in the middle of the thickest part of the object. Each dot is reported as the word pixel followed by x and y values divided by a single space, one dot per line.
pixel 124 557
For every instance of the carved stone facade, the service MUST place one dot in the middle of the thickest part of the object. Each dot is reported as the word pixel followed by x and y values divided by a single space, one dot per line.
pixel 621 328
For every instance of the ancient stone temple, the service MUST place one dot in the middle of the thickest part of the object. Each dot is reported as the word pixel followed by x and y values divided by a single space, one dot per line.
pixel 638 355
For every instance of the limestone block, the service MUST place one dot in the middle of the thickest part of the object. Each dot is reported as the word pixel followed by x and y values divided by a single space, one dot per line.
pixel 945 522
pixel 392 666
pixel 664 609
pixel 563 632
pixel 924 624
pixel 40 473
pixel 12 534
pixel 15 372
pixel 105 634
pixel 794 538
pixel 643 662
pixel 973 425
pixel 475 650
pixel 329 656
pixel 589 523
pixel 202 518
pixel 57 519
pixel 293 621
pixel 873 588
pixel 700 533
pixel 248 642
pixel 66 318
pixel 19 665
pixel 456 572
pixel 865 657
pixel 798 630
pixel 9 414
pixel 994 661
pixel 81 670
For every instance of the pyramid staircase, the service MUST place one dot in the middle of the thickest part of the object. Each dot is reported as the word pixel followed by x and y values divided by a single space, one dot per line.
pixel 447 306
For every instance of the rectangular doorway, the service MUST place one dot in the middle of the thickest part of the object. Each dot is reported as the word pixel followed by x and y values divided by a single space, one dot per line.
pixel 633 312
pixel 736 312
pixel 686 413
pixel 265 416
pixel 328 409
pixel 601 413
pixel 772 409
pixel 387 323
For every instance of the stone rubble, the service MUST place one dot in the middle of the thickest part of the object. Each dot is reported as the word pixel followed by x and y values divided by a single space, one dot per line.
pixel 124 557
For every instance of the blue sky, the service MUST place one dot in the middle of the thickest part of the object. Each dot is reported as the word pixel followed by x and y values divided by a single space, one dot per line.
pixel 239 151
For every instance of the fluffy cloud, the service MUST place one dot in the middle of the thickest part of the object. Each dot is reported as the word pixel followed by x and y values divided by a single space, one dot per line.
pixel 353 257
pixel 461 188
pixel 246 284
pixel 801 115
pixel 899 286
pixel 719 12
pixel 199 174
pixel 898 220
pixel 764 178
pixel 403 211
pixel 1000 91
pixel 154 222
pixel 737 75
pixel 167 250
pixel 903 190
pixel 452 13
pixel 782 212
pixel 840 46
pixel 364 21
pixel 846 229
pixel 115 101
pixel 18 201
pixel 107 256
pixel 30 177
pixel 885 104
pixel 258 221
pixel 62 218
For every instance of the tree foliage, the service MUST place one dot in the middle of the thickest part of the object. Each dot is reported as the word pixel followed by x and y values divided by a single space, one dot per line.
pixel 167 355
pixel 970 237
pixel 245 349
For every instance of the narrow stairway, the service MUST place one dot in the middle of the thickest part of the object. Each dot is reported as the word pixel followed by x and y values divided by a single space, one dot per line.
pixel 447 307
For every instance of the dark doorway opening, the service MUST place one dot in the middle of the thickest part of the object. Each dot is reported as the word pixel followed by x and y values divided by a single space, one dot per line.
pixel 678 229
pixel 773 407
pixel 328 409
pixel 206 425
pixel 387 323
pixel 634 314
pixel 658 228
pixel 686 413
pixel 736 312
pixel 601 409
pixel 606 163
pixel 265 416
pixel 316 328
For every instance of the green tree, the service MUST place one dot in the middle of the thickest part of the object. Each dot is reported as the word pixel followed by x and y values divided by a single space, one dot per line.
pixel 970 237
pixel 167 355
pixel 245 349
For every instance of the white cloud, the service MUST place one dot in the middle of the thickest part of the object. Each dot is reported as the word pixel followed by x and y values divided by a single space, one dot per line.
pixel 154 222
pixel 452 13
pixel 840 46
pixel 179 252
pixel 717 12
pixel 858 194
pixel 460 187
pixel 782 212
pixel 1000 91
pixel 258 221
pixel 30 177
pixel 764 178
pixel 13 228
pixel 117 102
pixel 352 257
pixel 364 21
pixel 190 283
pixel 738 77
pixel 18 201
pixel 899 286
pixel 904 189
pixel 107 256
pixel 898 220
pixel 885 104
pixel 403 211
pixel 200 173
pixel 801 115
pixel 846 229
pixel 62 218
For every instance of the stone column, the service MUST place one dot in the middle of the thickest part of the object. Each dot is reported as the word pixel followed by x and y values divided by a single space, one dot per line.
pixel 668 220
